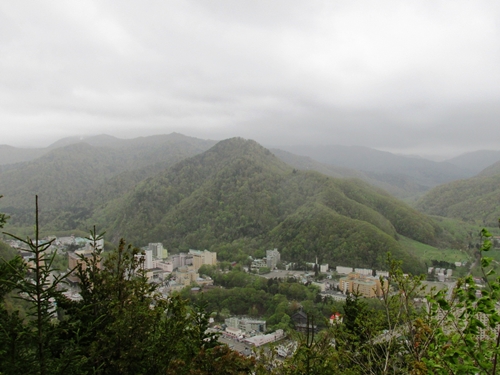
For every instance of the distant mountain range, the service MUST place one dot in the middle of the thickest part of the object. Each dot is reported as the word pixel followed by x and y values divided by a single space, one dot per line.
pixel 236 195
pixel 401 176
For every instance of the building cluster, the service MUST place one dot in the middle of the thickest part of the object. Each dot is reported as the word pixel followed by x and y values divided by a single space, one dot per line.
pixel 270 261
pixel 174 272
pixel 323 268
pixel 251 331
pixel 260 340
pixel 441 274
pixel 178 270
pixel 239 326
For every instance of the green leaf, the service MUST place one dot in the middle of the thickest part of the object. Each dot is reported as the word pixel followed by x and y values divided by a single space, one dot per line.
pixel 486 261
pixel 484 233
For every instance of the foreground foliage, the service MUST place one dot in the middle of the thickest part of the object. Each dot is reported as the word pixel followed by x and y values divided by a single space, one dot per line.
pixel 120 325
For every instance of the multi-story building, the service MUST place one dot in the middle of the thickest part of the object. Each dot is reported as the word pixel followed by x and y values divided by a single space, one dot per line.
pixel 158 251
pixel 246 325
pixel 163 265
pixel 75 258
pixel 272 258
pixel 203 257
pixel 181 260
pixel 364 271
pixel 258 264
pixel 148 259
pixel 343 270
pixel 186 275
pixel 367 286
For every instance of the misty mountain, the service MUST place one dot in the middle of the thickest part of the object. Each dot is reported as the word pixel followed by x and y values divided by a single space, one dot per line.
pixel 12 155
pixel 492 170
pixel 397 185
pixel 136 152
pixel 402 176
pixel 476 161
pixel 238 195
pixel 72 179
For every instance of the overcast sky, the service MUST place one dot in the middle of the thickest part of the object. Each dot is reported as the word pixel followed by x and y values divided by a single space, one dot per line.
pixel 404 76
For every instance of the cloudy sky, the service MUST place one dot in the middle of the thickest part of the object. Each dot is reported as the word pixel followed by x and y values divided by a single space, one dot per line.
pixel 405 76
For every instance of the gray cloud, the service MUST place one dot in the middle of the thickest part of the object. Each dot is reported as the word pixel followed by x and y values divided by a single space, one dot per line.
pixel 402 76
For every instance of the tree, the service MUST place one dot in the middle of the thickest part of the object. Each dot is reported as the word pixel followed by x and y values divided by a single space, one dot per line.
pixel 15 341
pixel 467 336
pixel 40 291
pixel 121 325
pixel 3 217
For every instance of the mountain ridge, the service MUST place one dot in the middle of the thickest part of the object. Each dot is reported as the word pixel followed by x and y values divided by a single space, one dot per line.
pixel 239 193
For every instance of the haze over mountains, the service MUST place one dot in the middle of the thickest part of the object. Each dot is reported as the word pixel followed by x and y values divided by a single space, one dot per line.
pixel 402 176
pixel 236 196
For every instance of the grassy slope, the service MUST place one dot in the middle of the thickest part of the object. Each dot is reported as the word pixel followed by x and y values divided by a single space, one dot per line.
pixel 427 253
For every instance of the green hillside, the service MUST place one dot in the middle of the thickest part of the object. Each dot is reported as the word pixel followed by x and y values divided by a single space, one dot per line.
pixel 475 200
pixel 238 193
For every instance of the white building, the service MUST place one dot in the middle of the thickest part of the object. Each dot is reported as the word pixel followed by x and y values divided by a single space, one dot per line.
pixel 343 270
pixel 181 260
pixel 148 262
pixel 158 251
pixel 147 258
pixel 264 339
pixel 272 258
pixel 363 271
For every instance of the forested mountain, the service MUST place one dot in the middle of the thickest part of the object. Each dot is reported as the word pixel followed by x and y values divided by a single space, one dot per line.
pixel 473 200
pixel 407 176
pixel 239 195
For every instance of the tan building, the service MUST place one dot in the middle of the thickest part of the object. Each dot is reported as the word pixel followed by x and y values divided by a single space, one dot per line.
pixel 367 286
pixel 203 257
pixel 75 258
pixel 186 275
